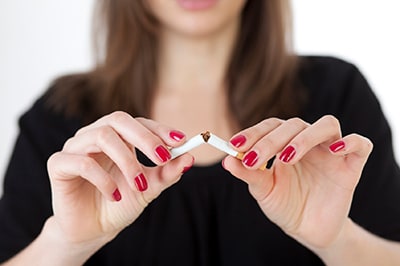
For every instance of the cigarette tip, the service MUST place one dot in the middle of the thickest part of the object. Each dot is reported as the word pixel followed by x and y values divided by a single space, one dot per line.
pixel 206 135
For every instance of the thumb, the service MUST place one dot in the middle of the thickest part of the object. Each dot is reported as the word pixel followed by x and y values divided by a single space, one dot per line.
pixel 260 182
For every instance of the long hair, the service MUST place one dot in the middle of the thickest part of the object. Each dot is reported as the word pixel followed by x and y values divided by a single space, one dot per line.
pixel 260 78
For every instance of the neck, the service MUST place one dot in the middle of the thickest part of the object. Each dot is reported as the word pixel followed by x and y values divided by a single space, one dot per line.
pixel 198 63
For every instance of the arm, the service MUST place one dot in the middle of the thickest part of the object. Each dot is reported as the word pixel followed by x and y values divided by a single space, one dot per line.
pixel 356 246
pixel 51 248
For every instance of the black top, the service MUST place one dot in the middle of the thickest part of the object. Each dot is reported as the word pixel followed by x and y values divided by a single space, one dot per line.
pixel 208 217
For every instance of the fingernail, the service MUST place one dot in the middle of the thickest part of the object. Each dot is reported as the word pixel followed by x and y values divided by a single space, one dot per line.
pixel 223 163
pixel 162 153
pixel 337 146
pixel 287 154
pixel 176 135
pixel 250 159
pixel 117 195
pixel 141 182
pixel 238 141
pixel 187 168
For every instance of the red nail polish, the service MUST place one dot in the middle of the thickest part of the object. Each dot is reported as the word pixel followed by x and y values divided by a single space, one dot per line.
pixel 223 164
pixel 287 154
pixel 176 135
pixel 250 159
pixel 141 182
pixel 162 153
pixel 337 146
pixel 117 195
pixel 238 141
pixel 186 168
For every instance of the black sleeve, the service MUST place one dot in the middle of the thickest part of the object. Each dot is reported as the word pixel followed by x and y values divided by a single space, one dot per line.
pixel 340 89
pixel 376 204
pixel 26 201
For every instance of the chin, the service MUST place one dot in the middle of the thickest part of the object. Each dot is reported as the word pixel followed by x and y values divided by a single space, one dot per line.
pixel 197 17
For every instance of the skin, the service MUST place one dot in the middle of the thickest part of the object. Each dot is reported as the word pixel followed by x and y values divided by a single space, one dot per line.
pixel 314 188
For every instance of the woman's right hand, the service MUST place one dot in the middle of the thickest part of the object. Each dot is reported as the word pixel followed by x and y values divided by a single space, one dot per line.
pixel 98 185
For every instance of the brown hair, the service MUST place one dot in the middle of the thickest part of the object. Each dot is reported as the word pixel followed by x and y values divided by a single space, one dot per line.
pixel 260 78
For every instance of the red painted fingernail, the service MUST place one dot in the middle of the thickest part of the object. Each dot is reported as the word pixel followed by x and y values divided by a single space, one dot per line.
pixel 288 154
pixel 238 141
pixel 337 146
pixel 162 153
pixel 187 168
pixel 223 163
pixel 250 159
pixel 176 135
pixel 117 195
pixel 141 182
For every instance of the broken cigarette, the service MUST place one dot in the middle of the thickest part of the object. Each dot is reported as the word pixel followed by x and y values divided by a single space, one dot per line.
pixel 216 142
pixel 187 146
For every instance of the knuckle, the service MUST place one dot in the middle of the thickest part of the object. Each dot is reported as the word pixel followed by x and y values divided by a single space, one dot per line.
pixel 51 161
pixel 119 116
pixel 86 164
pixel 331 121
pixel 271 122
pixel 104 135
pixel 296 122
pixel 68 144
pixel 141 119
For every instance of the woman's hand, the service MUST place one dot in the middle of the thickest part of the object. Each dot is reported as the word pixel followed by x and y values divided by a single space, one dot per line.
pixel 308 191
pixel 98 185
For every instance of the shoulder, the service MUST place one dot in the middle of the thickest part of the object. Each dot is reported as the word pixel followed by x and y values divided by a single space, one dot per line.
pixel 334 86
pixel 319 70
pixel 46 128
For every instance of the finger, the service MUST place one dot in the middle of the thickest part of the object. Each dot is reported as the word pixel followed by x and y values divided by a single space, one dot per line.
pixel 356 148
pixel 245 139
pixel 172 137
pixel 67 167
pixel 134 133
pixel 105 140
pixel 273 142
pixel 161 177
pixel 322 132
pixel 171 172
pixel 260 182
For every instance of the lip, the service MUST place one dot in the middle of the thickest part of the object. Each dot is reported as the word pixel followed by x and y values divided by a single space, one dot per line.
pixel 196 5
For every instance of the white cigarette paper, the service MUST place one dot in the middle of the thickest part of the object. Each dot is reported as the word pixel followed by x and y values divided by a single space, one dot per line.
pixel 187 146
pixel 209 138
pixel 221 145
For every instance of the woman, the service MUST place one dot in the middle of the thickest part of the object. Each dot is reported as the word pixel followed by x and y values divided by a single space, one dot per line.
pixel 173 69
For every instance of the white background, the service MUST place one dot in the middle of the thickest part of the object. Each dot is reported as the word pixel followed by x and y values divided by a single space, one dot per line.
pixel 42 39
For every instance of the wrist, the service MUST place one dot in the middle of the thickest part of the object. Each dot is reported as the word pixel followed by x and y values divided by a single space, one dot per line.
pixel 356 246
pixel 337 248
pixel 64 250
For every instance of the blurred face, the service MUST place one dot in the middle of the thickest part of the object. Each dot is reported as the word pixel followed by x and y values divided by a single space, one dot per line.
pixel 196 17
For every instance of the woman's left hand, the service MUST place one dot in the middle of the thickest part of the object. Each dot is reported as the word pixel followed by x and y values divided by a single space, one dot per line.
pixel 309 189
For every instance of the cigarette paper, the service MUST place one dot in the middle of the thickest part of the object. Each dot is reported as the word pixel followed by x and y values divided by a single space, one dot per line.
pixel 223 145
pixel 187 146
